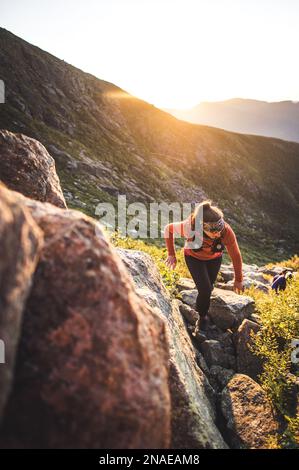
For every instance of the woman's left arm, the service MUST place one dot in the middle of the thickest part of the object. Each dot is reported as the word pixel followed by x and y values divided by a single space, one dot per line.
pixel 236 257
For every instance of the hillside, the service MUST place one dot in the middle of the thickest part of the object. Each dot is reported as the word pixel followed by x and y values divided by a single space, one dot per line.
pixel 107 142
pixel 108 322
pixel 272 119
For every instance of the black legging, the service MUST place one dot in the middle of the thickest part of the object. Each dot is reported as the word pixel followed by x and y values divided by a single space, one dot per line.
pixel 204 274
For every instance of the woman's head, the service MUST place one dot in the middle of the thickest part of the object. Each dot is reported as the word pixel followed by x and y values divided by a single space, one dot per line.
pixel 212 218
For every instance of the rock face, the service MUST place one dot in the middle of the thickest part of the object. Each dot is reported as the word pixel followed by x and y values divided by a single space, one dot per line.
pixel 26 166
pixel 227 309
pixel 247 362
pixel 93 363
pixel 248 413
pixel 193 400
pixel 20 242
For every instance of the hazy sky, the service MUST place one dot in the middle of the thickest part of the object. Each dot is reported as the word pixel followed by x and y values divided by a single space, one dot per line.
pixel 171 53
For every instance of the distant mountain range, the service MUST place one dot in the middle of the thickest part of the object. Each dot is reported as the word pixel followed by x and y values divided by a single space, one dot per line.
pixel 278 119
pixel 107 142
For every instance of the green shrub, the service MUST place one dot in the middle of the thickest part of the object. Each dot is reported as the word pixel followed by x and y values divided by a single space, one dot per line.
pixel 279 314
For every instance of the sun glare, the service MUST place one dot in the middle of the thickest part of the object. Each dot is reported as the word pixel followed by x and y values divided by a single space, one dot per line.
pixel 172 53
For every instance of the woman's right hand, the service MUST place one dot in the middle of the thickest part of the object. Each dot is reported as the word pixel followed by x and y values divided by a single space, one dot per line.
pixel 171 262
pixel 238 287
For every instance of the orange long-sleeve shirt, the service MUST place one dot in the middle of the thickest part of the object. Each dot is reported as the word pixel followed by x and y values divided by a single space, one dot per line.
pixel 229 240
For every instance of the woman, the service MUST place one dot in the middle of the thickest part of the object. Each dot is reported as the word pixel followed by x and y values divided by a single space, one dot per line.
pixel 204 262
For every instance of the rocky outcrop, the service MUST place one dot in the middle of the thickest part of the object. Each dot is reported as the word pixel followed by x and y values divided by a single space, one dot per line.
pixel 252 276
pixel 227 309
pixel 93 361
pixel 248 413
pixel 216 346
pixel 255 276
pixel 225 353
pixel 26 166
pixel 20 241
pixel 193 399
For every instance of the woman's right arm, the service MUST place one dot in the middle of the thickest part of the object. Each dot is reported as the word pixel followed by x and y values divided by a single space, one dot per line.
pixel 169 231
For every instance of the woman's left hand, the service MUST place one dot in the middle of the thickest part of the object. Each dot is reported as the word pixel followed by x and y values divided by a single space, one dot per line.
pixel 238 287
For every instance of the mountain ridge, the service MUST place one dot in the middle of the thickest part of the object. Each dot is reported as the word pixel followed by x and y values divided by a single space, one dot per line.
pixel 278 119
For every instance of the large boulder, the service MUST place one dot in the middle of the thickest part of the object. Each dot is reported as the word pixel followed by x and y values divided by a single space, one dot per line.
pixel 193 400
pixel 227 309
pixel 247 362
pixel 26 167
pixel 249 416
pixel 93 363
pixel 20 241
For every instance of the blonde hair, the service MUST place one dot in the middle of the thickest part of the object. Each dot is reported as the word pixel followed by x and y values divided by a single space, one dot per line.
pixel 210 213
